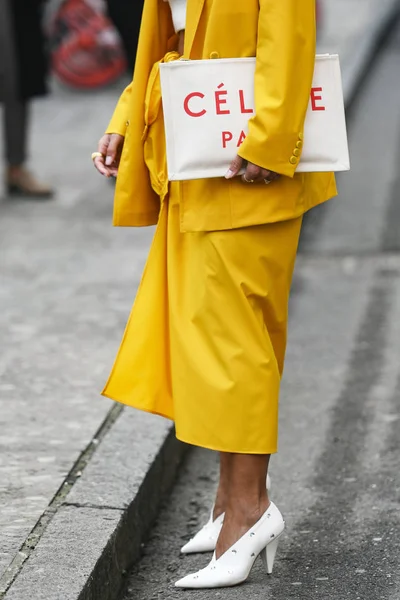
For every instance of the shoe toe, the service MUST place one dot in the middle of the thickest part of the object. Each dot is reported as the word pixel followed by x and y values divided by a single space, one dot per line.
pixel 210 577
pixel 199 544
pixel 190 581
pixel 188 548
pixel 205 540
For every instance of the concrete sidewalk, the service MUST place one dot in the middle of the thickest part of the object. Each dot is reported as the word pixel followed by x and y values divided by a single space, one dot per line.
pixel 80 478
pixel 353 28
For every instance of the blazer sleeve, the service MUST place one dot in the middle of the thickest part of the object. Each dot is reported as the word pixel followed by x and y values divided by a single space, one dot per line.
pixel 120 118
pixel 285 60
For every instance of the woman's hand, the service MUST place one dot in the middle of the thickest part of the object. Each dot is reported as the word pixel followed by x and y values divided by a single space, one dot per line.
pixel 253 173
pixel 110 146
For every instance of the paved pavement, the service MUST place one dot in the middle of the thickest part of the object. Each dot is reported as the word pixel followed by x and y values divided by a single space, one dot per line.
pixel 350 27
pixel 68 280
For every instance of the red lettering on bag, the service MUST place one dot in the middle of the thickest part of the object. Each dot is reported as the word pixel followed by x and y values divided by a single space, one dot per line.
pixel 241 139
pixel 315 99
pixel 186 105
pixel 219 101
pixel 227 136
pixel 243 108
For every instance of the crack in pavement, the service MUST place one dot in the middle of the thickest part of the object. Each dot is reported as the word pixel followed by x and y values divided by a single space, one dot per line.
pixel 94 506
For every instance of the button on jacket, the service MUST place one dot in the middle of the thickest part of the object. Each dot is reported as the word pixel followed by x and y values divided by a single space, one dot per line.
pixel 281 34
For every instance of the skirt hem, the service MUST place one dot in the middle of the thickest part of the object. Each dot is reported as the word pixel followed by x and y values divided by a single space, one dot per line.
pixel 148 410
pixel 187 441
pixel 228 451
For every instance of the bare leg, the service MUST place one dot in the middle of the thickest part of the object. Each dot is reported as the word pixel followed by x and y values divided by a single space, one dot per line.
pixel 221 501
pixel 247 498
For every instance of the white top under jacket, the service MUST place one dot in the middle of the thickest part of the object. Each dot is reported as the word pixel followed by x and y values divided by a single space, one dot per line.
pixel 178 10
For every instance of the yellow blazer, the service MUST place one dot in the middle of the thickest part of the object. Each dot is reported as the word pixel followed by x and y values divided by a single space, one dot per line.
pixel 281 34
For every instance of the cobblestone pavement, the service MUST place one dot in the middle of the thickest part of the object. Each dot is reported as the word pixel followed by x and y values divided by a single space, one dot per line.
pixel 67 284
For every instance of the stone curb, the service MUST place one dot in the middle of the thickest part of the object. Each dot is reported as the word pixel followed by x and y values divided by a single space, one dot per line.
pixel 93 536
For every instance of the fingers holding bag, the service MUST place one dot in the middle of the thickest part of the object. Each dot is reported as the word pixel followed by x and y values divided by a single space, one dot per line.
pixel 252 174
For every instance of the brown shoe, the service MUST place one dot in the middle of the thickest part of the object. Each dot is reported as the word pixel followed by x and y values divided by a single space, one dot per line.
pixel 20 182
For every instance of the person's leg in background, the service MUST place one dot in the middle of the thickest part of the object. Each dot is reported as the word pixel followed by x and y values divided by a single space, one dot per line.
pixel 126 16
pixel 18 180
pixel 15 132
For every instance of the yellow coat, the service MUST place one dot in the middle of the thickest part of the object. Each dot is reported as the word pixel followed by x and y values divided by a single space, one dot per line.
pixel 281 34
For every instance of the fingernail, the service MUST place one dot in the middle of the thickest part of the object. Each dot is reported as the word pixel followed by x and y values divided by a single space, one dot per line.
pixel 109 161
pixel 229 174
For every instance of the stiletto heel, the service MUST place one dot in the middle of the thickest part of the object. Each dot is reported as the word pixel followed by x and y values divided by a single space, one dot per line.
pixel 268 555
pixel 235 565
pixel 206 538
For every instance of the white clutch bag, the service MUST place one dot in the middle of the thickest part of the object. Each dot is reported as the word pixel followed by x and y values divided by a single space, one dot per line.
pixel 205 121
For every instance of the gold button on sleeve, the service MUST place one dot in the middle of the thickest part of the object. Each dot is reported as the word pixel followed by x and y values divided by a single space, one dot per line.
pixel 296 152
pixel 214 55
pixel 293 160
pixel 301 136
pixel 299 144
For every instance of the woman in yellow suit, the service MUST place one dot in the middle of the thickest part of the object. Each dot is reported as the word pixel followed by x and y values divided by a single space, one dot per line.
pixel 205 342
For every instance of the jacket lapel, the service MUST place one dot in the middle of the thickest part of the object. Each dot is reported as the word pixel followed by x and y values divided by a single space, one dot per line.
pixel 194 10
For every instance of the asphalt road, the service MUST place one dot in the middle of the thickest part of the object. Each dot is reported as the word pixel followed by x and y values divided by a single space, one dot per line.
pixel 336 476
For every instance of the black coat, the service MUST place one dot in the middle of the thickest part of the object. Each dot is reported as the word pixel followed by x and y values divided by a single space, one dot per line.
pixel 126 15
pixel 30 47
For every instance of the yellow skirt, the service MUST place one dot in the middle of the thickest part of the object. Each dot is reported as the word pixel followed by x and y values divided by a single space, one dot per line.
pixel 205 341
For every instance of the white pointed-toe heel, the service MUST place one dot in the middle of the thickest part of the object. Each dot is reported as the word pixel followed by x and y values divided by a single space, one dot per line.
pixel 235 565
pixel 205 540
pixel 269 553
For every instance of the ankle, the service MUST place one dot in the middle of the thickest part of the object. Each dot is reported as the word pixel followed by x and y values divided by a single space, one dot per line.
pixel 220 506
pixel 15 170
pixel 248 511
